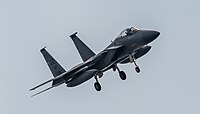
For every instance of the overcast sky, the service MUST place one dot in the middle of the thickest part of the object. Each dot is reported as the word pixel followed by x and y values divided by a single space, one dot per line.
pixel 169 78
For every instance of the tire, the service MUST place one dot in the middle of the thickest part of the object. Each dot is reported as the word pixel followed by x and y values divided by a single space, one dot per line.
pixel 137 69
pixel 122 75
pixel 97 86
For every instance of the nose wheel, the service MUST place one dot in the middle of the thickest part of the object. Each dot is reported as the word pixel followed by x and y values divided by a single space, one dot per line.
pixel 97 85
pixel 137 69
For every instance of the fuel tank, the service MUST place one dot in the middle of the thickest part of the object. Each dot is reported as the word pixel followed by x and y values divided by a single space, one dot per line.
pixel 142 51
pixel 81 77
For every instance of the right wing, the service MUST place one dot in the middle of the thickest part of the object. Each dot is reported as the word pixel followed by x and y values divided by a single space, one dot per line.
pixel 42 91
pixel 54 79
pixel 63 77
pixel 54 66
pixel 56 69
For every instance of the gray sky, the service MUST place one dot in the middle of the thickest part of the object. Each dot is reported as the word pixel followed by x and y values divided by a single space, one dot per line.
pixel 169 78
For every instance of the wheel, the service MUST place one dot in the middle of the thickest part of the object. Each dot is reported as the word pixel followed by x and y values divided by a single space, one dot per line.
pixel 122 75
pixel 137 69
pixel 97 86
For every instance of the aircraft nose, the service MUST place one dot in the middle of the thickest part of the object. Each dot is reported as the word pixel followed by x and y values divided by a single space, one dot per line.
pixel 149 36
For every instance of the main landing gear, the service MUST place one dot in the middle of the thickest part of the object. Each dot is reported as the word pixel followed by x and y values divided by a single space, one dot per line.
pixel 97 85
pixel 122 74
pixel 132 60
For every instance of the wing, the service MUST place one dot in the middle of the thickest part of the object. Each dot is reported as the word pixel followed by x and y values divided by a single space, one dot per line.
pixel 54 66
pixel 111 56
pixel 112 64
pixel 114 47
pixel 111 53
pixel 64 76
pixel 42 91
pixel 54 79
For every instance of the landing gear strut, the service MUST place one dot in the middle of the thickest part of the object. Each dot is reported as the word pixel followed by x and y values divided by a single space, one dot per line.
pixel 122 74
pixel 132 60
pixel 97 85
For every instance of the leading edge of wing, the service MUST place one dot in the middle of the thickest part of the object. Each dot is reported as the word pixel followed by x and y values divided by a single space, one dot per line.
pixel 65 75
pixel 42 91
pixel 60 76
pixel 41 84
pixel 114 47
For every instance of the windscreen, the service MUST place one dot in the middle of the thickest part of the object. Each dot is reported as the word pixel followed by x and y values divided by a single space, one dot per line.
pixel 128 31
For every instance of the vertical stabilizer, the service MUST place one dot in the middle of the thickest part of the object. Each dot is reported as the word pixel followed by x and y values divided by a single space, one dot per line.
pixel 55 67
pixel 84 51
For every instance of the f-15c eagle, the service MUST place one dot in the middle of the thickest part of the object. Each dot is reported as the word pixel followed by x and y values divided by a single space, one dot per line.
pixel 131 44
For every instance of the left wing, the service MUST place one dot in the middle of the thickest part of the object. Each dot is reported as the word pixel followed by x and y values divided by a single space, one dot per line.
pixel 111 51
pixel 114 47
pixel 115 62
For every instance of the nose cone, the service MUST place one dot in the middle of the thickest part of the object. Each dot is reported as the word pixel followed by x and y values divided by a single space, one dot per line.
pixel 149 36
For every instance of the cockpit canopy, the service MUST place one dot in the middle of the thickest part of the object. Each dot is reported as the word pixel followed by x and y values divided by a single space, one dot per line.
pixel 128 31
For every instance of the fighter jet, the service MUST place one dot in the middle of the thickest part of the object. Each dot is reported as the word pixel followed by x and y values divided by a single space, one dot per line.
pixel 130 44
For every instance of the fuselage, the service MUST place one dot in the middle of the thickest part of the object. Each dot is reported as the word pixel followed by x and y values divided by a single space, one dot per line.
pixel 117 52
pixel 130 43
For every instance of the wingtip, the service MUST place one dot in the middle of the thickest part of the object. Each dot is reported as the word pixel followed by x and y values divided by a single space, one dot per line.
pixel 42 91
pixel 31 89
pixel 73 35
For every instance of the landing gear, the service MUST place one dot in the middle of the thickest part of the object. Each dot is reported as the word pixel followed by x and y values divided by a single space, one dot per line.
pixel 97 85
pixel 137 69
pixel 122 74
pixel 132 60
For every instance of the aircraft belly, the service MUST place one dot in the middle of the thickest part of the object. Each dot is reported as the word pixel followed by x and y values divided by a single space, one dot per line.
pixel 79 79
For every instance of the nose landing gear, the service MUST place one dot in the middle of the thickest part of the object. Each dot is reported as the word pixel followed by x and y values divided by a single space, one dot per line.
pixel 132 60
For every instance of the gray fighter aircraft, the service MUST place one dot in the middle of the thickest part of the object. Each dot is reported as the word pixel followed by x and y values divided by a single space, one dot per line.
pixel 131 44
